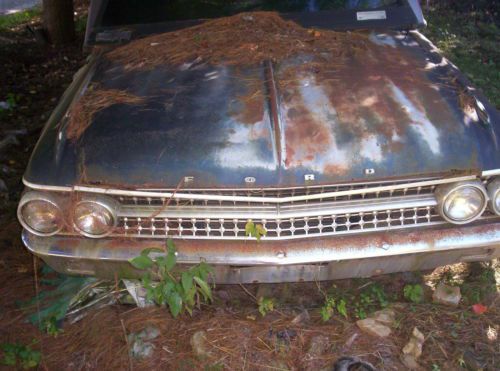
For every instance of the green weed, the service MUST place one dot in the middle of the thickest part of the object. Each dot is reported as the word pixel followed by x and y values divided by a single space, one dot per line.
pixel 266 305
pixel 414 293
pixel 9 21
pixel 165 286
pixel 18 355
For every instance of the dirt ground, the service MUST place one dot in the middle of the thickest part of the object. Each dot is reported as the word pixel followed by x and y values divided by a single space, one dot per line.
pixel 236 335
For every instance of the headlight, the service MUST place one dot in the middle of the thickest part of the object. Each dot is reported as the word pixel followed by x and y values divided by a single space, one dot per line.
pixel 461 203
pixel 494 195
pixel 40 214
pixel 95 217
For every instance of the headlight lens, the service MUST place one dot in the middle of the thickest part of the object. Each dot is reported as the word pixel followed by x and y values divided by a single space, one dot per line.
pixel 494 196
pixel 40 216
pixel 461 203
pixel 93 219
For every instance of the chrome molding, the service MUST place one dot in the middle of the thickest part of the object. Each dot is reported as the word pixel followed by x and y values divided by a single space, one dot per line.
pixel 277 200
pixel 489 173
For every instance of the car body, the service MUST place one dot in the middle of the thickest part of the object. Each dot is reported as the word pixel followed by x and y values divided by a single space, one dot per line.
pixel 386 162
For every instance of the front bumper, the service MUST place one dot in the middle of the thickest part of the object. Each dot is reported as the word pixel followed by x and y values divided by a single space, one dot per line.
pixel 282 261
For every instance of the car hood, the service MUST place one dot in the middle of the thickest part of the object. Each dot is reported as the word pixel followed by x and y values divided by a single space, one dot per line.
pixel 394 110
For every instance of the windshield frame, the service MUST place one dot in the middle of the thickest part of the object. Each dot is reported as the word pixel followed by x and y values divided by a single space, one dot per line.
pixel 402 17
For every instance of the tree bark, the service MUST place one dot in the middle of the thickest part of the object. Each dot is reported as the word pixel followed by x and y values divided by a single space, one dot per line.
pixel 58 21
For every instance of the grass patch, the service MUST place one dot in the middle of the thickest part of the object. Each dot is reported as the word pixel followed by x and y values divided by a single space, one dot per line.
pixel 471 43
pixel 9 21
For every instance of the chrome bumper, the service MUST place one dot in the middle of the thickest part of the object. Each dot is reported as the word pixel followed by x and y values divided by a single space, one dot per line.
pixel 281 261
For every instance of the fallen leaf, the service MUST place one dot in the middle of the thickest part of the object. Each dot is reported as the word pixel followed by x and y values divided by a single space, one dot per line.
pixel 479 308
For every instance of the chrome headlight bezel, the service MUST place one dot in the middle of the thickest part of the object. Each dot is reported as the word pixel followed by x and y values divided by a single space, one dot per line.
pixel 493 189
pixel 109 204
pixel 52 199
pixel 444 191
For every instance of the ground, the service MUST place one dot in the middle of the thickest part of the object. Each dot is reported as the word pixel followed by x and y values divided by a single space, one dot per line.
pixel 235 335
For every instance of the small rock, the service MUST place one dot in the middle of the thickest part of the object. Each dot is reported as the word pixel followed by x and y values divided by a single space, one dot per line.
pixel 301 318
pixel 248 18
pixel 148 333
pixel 200 345
pixel 373 327
pixel 447 295
pixel 141 349
pixel 139 346
pixel 319 345
pixel 385 316
pixel 410 362
pixel 414 346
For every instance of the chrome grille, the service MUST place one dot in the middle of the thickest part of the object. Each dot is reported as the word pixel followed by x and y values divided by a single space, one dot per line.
pixel 288 228
pixel 363 190
pixel 285 213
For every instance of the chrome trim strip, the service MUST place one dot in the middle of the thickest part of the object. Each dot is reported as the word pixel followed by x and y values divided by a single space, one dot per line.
pixel 46 187
pixel 278 200
pixel 490 172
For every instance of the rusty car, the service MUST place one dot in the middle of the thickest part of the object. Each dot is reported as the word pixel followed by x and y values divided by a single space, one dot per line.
pixel 337 127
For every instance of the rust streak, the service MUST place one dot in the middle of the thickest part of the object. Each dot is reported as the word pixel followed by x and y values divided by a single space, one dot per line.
pixel 273 107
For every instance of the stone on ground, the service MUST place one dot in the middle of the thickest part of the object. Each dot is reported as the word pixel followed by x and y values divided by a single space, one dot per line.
pixel 385 316
pixel 410 362
pixel 414 346
pixel 447 295
pixel 373 327
pixel 200 344
pixel 140 347
pixel 302 318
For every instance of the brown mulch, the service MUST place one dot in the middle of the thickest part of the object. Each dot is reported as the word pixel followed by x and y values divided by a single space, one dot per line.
pixel 245 39
pixel 93 101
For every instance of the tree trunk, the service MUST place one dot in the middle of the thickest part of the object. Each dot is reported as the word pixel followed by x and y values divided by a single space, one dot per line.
pixel 58 20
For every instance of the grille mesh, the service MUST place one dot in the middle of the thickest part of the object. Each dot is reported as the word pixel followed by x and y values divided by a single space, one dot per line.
pixel 215 228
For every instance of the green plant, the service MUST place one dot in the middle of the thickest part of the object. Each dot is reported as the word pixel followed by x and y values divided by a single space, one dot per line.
pixel 266 305
pixel 50 326
pixel 377 293
pixel 414 293
pixel 329 307
pixel 254 230
pixel 12 20
pixel 371 298
pixel 166 286
pixel 20 355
